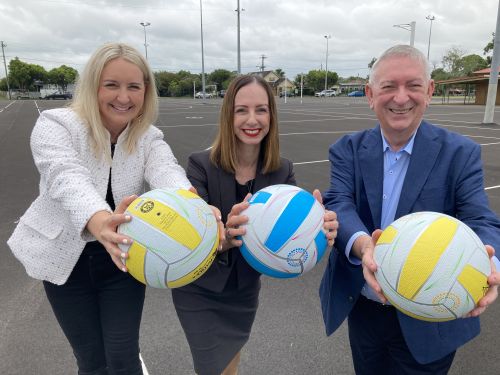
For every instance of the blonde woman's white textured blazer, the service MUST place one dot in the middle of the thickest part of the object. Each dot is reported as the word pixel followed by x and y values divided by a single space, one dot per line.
pixel 51 234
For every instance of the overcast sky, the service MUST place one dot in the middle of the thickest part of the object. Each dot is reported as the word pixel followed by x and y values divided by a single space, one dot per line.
pixel 290 33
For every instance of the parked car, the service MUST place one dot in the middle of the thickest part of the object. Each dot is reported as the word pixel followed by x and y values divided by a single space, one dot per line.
pixel 60 95
pixel 326 93
pixel 288 93
pixel 357 93
pixel 222 93
pixel 199 95
pixel 22 95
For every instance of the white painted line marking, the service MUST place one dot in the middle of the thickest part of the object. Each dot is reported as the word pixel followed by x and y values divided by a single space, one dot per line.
pixel 144 369
pixel 492 187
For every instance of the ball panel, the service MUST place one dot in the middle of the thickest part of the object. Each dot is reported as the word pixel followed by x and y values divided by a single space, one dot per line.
pixel 290 219
pixel 155 270
pixel 262 268
pixel 167 220
pixel 474 282
pixel 260 197
pixel 197 270
pixel 387 235
pixel 135 261
pixel 157 241
pixel 321 243
pixel 437 236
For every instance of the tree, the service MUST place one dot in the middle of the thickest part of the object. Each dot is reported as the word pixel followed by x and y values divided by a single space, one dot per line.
pixel 488 48
pixel 452 61
pixel 471 63
pixel 163 81
pixel 315 79
pixel 440 74
pixel 63 76
pixel 19 74
pixel 279 72
pixel 221 78
pixel 3 84
pixel 370 64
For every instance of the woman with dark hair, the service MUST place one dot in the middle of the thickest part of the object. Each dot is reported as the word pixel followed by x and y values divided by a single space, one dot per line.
pixel 217 310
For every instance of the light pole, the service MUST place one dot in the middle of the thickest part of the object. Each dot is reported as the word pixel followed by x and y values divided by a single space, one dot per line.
pixel 430 18
pixel 202 54
pixel 239 10
pixel 411 28
pixel 144 24
pixel 327 37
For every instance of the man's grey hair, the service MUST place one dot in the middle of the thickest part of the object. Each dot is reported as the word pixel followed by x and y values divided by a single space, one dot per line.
pixel 402 50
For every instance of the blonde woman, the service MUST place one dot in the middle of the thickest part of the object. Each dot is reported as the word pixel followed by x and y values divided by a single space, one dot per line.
pixel 101 150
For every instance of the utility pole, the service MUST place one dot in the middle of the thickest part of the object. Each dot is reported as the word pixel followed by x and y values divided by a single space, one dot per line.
pixel 202 54
pixel 5 66
pixel 262 66
pixel 489 110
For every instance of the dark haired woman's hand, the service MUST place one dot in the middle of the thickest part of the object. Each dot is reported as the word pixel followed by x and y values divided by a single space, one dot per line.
pixel 235 225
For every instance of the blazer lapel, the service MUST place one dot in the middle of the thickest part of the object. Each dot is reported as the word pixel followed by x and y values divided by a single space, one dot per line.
pixel 371 161
pixel 425 151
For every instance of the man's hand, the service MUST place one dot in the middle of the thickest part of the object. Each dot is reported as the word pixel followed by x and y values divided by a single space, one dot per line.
pixel 368 263
pixel 492 293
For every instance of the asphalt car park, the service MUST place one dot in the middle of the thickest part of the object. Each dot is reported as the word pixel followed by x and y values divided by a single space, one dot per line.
pixel 288 335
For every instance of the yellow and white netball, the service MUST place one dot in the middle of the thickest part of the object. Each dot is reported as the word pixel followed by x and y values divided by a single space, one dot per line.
pixel 432 266
pixel 175 238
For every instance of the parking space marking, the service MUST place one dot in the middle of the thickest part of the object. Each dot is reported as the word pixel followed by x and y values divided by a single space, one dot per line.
pixel 144 369
pixel 7 106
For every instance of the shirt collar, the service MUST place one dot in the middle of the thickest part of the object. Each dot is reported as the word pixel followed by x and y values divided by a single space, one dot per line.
pixel 408 147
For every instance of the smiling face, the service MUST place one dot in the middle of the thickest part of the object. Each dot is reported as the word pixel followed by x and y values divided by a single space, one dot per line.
pixel 251 115
pixel 120 95
pixel 399 95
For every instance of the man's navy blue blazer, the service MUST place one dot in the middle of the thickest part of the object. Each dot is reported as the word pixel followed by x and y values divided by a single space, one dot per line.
pixel 444 175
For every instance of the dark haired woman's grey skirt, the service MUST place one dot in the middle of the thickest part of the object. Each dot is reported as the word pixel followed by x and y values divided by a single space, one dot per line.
pixel 217 325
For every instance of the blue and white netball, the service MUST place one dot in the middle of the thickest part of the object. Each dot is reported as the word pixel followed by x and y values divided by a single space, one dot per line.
pixel 284 235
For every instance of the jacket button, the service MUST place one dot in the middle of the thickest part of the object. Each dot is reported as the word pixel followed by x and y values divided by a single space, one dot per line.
pixel 351 299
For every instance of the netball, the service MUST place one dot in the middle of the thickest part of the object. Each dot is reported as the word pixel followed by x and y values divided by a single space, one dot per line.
pixel 175 238
pixel 284 235
pixel 432 266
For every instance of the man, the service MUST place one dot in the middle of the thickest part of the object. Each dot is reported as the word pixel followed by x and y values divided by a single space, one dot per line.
pixel 402 165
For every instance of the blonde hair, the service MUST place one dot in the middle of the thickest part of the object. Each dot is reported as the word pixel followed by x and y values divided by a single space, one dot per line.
pixel 86 104
pixel 223 152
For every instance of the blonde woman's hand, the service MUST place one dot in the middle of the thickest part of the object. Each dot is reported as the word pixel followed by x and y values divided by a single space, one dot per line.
pixel 104 225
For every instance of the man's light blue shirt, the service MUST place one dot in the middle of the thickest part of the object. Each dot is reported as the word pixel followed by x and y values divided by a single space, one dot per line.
pixel 395 168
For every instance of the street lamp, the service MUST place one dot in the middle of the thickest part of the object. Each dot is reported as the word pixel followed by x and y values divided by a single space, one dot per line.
pixel 410 27
pixel 430 18
pixel 327 37
pixel 144 24
pixel 239 10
